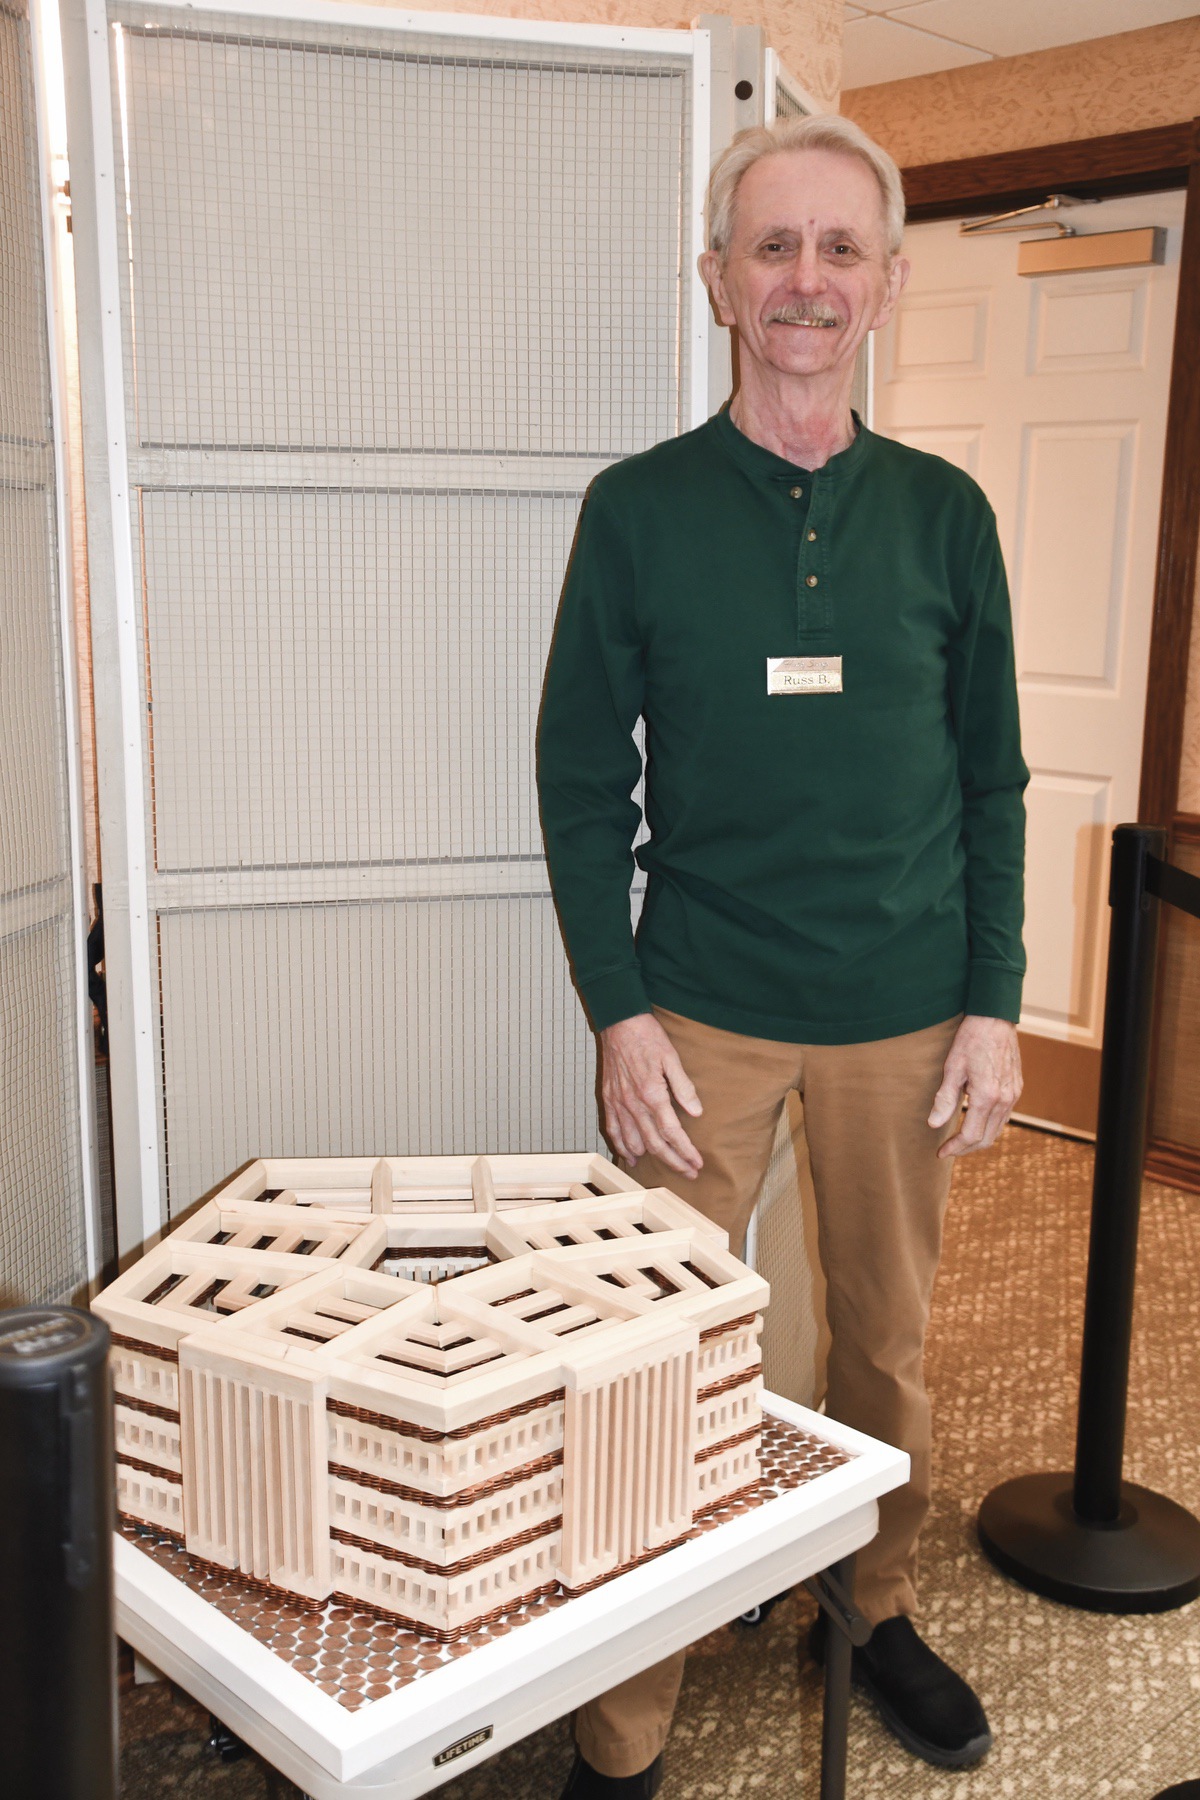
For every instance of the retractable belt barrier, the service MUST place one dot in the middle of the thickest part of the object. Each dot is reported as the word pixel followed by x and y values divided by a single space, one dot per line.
pixel 57 1648
pixel 1091 1539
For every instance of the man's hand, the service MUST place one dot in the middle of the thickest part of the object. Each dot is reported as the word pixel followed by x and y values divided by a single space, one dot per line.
pixel 984 1064
pixel 641 1073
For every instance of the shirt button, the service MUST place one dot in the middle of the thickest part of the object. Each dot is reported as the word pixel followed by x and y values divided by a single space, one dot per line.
pixel 812 537
pixel 797 493
pixel 812 580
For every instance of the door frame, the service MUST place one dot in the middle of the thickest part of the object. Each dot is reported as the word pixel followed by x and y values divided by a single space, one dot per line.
pixel 1135 162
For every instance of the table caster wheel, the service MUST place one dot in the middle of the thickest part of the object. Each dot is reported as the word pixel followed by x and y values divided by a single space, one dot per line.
pixel 755 1615
pixel 222 1742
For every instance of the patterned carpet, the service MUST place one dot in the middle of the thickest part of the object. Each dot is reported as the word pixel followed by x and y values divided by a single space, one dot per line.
pixel 1081 1704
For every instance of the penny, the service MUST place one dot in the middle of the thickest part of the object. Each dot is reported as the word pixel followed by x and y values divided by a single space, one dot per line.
pixel 334 1639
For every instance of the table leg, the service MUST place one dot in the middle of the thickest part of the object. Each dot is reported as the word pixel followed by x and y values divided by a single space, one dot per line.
pixel 836 1722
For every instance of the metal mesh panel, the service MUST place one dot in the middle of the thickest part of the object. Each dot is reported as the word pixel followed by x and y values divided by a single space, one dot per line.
pixel 786 104
pixel 433 1025
pixel 391 299
pixel 42 1236
pixel 337 675
pixel 406 245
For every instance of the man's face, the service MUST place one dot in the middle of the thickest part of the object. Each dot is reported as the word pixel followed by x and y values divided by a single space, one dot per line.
pixel 807 275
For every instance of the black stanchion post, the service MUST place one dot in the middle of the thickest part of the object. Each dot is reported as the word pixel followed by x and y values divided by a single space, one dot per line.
pixel 1117 1182
pixel 1091 1539
pixel 57 1646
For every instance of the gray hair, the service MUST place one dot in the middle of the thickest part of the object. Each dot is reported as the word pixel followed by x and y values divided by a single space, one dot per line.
pixel 820 131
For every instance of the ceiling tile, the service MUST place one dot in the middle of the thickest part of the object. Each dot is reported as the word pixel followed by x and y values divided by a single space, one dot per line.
pixel 878 49
pixel 1016 26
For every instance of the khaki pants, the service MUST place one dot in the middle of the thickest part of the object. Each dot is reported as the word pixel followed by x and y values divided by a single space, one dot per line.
pixel 881 1197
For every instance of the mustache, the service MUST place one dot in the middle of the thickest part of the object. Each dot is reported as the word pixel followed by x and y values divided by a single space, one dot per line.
pixel 807 313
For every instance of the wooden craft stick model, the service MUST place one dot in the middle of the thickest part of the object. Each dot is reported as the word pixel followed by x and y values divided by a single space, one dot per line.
pixel 435 1387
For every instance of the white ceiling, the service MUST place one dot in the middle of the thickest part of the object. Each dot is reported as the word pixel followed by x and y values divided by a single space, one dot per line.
pixel 887 40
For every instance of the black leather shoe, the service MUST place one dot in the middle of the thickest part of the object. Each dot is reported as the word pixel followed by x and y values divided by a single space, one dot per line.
pixel 585 1783
pixel 919 1697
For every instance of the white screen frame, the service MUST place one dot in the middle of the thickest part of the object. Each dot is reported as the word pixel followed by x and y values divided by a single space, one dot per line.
pixel 130 917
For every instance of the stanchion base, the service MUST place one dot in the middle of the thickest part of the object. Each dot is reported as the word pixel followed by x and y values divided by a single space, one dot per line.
pixel 1149 1561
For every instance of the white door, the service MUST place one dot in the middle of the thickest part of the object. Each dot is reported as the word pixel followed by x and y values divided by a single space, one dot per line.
pixel 372 298
pixel 48 1247
pixel 1052 393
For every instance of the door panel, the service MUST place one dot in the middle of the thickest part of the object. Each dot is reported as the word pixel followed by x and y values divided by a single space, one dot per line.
pixel 1052 394
pixel 1065 813
pixel 1074 505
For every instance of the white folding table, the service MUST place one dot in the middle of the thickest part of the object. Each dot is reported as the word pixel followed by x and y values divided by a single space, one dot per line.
pixel 461 1712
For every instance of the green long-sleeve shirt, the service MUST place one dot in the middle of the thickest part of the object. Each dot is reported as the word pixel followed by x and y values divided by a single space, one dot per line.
pixel 822 866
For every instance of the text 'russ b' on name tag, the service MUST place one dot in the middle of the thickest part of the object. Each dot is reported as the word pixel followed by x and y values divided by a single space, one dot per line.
pixel 804 674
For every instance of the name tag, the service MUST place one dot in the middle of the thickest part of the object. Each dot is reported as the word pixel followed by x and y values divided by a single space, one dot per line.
pixel 804 674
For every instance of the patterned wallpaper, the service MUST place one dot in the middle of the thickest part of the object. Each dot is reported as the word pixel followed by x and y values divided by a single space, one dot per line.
pixel 1123 83
pixel 808 37
pixel 806 33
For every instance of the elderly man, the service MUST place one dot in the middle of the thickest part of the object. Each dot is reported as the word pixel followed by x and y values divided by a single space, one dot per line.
pixel 814 624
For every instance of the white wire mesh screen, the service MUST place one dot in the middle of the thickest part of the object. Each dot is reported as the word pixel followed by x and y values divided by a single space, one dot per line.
pixel 391 300
pixel 42 1235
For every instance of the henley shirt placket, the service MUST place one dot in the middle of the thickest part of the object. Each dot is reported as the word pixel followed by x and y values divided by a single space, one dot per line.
pixel 814 618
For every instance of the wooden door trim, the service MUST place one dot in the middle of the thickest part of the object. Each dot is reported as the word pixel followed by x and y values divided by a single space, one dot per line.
pixel 1176 1164
pixel 1178 541
pixel 1130 162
